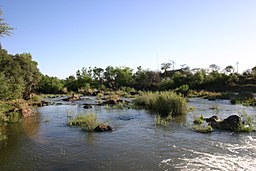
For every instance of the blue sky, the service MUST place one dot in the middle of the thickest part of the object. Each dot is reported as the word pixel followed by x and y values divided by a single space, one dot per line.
pixel 64 36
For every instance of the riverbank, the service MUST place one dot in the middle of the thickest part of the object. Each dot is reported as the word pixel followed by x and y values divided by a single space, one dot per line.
pixel 13 111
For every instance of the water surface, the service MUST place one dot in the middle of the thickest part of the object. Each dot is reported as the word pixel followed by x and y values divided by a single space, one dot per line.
pixel 45 142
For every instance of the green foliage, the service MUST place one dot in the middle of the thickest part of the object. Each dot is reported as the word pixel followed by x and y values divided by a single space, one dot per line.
pixel 248 123
pixel 10 112
pixel 203 129
pixel 35 99
pixel 244 98
pixel 3 136
pixel 164 121
pixel 199 120
pixel 5 29
pixel 87 121
pixel 164 103
pixel 50 85
pixel 19 75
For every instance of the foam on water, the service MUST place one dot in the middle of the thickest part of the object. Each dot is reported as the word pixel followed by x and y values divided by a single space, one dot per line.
pixel 228 157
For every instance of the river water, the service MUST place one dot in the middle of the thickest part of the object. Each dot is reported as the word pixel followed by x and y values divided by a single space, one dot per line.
pixel 45 142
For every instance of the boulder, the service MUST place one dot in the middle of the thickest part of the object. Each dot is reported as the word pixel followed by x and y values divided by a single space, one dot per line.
pixel 231 123
pixel 87 106
pixel 103 128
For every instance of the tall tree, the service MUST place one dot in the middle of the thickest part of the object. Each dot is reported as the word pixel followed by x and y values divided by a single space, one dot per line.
pixel 21 74
pixel 214 67
pixel 5 29
pixel 29 71
pixel 229 69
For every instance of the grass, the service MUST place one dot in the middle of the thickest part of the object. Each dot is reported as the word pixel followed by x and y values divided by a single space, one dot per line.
pixel 203 129
pixel 3 137
pixel 163 103
pixel 199 125
pixel 162 121
pixel 87 121
pixel 244 98
pixel 247 124
pixel 199 120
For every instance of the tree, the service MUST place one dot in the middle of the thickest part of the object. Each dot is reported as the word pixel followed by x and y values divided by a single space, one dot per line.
pixel 21 73
pixel 254 72
pixel 98 74
pixel 29 73
pixel 214 67
pixel 109 77
pixel 123 77
pixel 229 69
pixel 5 29
pixel 50 85
pixel 165 66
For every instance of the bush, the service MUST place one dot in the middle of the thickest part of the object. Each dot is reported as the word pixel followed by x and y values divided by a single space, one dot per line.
pixel 163 103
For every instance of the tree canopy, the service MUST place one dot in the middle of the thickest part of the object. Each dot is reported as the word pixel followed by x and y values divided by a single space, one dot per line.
pixel 5 29
pixel 19 75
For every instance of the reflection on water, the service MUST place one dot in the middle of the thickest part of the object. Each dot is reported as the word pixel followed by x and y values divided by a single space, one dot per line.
pixel 45 142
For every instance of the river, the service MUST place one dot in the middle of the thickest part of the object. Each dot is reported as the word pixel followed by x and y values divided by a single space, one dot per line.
pixel 45 142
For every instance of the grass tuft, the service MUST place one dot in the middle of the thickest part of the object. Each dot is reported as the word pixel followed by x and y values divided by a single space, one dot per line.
pixel 203 129
pixel 87 121
pixel 162 121
pixel 164 103
pixel 199 120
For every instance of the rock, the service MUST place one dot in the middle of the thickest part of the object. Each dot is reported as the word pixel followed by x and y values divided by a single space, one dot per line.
pixel 103 128
pixel 231 123
pixel 72 98
pixel 87 106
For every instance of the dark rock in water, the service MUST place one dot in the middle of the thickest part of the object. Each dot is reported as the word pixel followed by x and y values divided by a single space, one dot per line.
pixel 87 106
pixel 231 123
pixel 103 128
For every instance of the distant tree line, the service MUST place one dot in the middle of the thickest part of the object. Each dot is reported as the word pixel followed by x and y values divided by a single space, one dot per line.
pixel 115 78
pixel 20 76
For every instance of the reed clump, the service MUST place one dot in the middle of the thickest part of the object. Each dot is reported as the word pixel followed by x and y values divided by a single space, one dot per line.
pixel 163 103
pixel 87 121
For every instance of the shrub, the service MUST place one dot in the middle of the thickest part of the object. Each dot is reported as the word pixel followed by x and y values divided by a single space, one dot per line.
pixel 244 98
pixel 163 103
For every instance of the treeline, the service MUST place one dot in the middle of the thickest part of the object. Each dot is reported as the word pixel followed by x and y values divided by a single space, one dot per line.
pixel 114 78
pixel 19 77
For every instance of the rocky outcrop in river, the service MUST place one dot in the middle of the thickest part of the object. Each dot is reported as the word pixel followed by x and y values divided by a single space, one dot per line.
pixel 231 123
